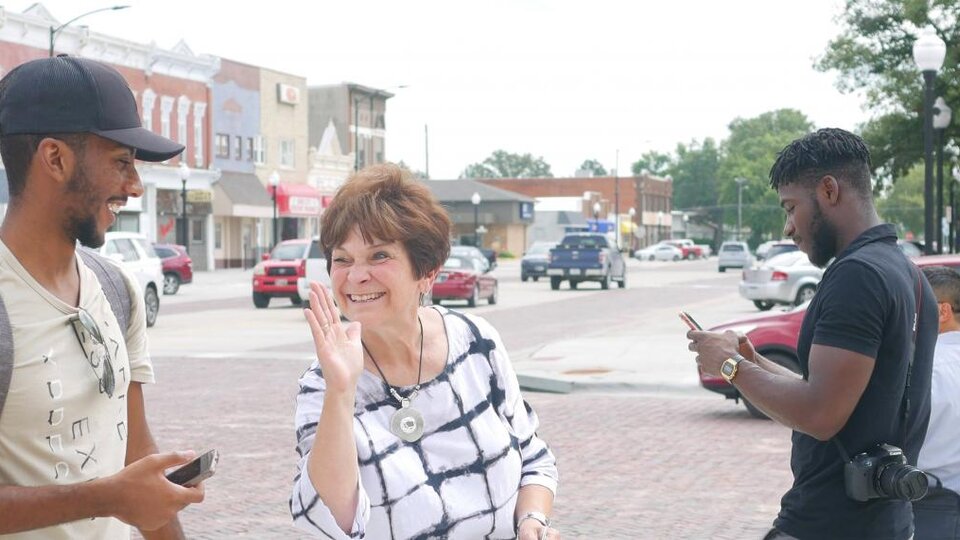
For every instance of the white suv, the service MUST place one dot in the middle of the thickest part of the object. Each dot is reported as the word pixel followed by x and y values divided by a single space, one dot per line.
pixel 138 257
pixel 734 255
pixel 316 270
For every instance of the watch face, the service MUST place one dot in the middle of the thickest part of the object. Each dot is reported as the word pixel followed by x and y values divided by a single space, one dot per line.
pixel 727 368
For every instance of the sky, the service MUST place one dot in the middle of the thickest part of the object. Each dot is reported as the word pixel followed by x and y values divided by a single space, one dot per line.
pixel 563 80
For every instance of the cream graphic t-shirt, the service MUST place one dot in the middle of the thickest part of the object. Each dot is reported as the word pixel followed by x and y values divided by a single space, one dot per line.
pixel 57 425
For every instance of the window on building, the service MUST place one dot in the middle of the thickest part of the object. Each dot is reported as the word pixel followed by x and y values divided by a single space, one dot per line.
pixel 238 148
pixel 149 99
pixel 223 145
pixel 199 111
pixel 287 153
pixel 166 107
pixel 218 236
pixel 196 231
pixel 260 149
pixel 183 109
pixel 250 149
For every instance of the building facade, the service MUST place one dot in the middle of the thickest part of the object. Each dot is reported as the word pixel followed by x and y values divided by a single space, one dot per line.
pixel 499 221
pixel 608 198
pixel 358 114
pixel 242 207
pixel 282 164
pixel 172 88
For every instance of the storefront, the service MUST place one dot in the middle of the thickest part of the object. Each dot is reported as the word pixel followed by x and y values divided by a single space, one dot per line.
pixel 242 211
pixel 298 210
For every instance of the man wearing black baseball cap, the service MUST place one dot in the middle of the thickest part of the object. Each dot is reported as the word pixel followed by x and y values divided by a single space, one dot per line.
pixel 77 459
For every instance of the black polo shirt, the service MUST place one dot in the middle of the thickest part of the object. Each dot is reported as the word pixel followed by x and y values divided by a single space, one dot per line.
pixel 865 303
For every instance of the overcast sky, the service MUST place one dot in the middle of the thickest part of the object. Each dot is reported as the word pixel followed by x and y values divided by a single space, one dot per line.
pixel 566 80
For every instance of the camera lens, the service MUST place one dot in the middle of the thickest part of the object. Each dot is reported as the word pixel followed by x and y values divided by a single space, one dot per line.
pixel 899 481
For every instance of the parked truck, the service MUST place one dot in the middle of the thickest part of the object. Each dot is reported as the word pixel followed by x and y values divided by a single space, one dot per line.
pixel 586 257
pixel 689 249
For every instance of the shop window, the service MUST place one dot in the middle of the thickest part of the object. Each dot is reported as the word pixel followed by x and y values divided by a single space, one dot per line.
pixel 223 145
pixel 196 231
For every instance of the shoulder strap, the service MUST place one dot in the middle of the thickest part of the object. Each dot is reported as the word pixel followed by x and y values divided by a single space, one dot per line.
pixel 113 285
pixel 6 353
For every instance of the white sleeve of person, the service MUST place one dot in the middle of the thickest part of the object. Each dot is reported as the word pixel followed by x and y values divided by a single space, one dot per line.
pixel 539 463
pixel 308 510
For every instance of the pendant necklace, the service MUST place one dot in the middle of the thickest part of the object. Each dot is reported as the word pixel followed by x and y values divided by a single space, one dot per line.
pixel 406 422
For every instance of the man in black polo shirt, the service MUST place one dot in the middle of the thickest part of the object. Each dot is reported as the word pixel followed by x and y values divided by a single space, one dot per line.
pixel 854 346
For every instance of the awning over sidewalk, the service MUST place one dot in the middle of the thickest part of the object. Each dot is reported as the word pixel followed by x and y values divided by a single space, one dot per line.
pixel 241 195
pixel 297 200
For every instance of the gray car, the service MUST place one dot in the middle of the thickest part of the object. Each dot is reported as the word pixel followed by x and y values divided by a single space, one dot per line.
pixel 533 265
pixel 786 279
pixel 734 255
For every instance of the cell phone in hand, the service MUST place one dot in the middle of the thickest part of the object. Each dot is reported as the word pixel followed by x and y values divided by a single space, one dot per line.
pixel 691 322
pixel 196 471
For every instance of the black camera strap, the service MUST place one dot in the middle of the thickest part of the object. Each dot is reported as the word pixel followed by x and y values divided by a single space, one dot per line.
pixel 905 403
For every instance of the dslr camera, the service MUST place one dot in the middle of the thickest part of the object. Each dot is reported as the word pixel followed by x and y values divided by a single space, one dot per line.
pixel 883 473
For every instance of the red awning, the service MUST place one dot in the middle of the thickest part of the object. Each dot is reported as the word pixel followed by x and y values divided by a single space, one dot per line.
pixel 297 200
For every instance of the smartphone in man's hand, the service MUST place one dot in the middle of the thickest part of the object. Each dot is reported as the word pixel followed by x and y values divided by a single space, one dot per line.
pixel 691 322
pixel 196 471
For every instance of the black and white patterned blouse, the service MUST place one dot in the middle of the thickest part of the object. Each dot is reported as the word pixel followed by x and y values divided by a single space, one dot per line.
pixel 460 480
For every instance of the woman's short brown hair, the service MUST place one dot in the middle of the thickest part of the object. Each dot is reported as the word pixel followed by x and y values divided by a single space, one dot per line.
pixel 388 205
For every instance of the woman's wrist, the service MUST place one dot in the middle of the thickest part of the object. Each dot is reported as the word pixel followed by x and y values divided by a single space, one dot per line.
pixel 532 516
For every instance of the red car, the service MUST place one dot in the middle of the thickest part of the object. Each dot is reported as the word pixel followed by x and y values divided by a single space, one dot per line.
pixel 177 266
pixel 276 276
pixel 775 336
pixel 463 278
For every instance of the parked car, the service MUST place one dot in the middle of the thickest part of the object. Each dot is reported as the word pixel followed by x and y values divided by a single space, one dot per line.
pixel 646 254
pixel 533 265
pixel 464 278
pixel 474 253
pixel 775 248
pixel 177 266
pixel 586 257
pixel 276 276
pixel 136 254
pixel 734 255
pixel 910 249
pixel 663 252
pixel 315 269
pixel 775 335
pixel 688 249
pixel 787 278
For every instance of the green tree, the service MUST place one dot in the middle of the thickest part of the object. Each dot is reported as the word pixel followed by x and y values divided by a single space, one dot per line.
pixel 748 153
pixel 695 174
pixel 902 203
pixel 656 163
pixel 503 164
pixel 874 55
pixel 418 174
pixel 594 167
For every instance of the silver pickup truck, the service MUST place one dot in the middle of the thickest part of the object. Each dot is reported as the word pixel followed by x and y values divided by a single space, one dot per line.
pixel 316 270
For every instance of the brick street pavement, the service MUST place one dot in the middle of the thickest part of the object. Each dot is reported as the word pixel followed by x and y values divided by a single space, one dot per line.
pixel 632 465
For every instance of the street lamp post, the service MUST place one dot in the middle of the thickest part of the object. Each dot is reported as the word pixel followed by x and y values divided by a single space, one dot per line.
pixel 475 199
pixel 275 182
pixel 54 32
pixel 740 182
pixel 632 212
pixel 184 176
pixel 941 119
pixel 928 52
pixel 596 215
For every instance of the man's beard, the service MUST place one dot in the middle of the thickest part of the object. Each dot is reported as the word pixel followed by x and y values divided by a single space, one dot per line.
pixel 81 221
pixel 823 238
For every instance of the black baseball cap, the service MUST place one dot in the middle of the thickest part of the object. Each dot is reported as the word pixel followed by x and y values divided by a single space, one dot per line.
pixel 67 94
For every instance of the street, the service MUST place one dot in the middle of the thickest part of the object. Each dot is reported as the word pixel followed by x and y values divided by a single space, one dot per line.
pixel 663 461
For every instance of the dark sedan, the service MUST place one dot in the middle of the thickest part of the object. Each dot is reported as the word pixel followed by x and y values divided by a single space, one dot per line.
pixel 533 265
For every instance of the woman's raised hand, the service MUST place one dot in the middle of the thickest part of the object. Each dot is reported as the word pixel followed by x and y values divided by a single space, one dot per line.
pixel 338 346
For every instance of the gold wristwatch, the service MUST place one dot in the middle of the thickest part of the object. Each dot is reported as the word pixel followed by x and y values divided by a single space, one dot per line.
pixel 730 366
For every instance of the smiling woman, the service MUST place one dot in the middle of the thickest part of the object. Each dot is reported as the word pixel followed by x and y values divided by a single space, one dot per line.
pixel 407 405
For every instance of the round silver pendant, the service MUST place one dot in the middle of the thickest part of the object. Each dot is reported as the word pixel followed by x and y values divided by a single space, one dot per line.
pixel 407 423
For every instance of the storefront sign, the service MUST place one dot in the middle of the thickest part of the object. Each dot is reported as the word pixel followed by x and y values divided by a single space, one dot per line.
pixel 306 206
pixel 288 94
